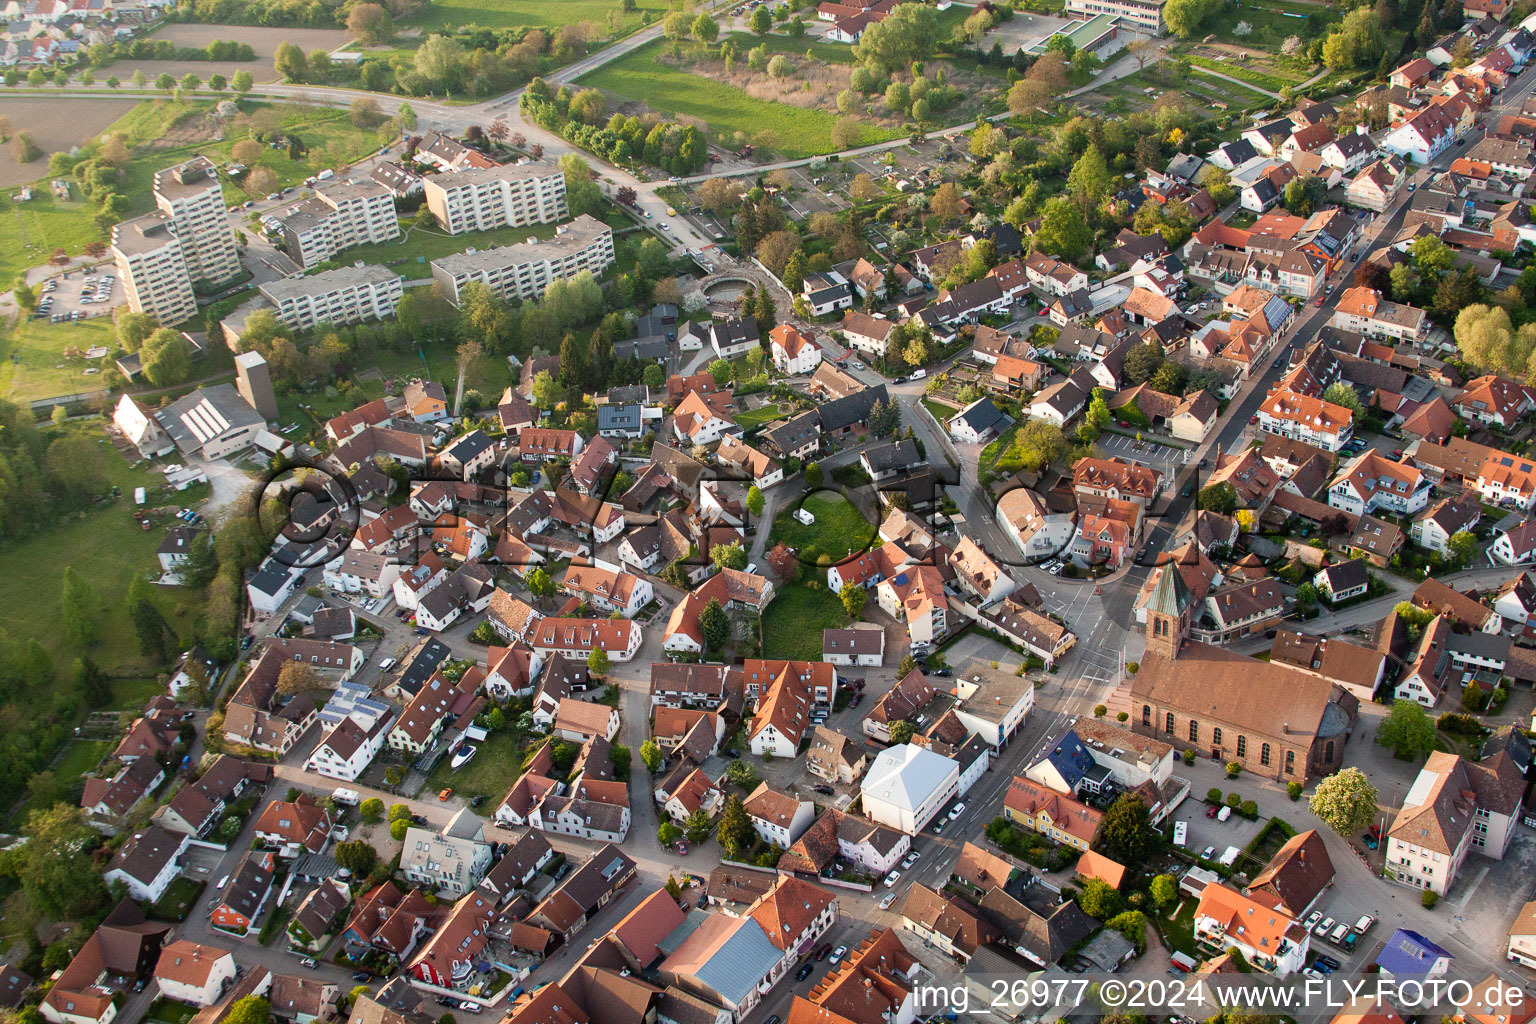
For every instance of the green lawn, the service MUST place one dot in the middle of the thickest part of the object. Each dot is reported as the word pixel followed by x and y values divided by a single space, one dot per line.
pixel 1178 931
pixel 1207 87
pixel 179 898
pixel 545 14
pixel 840 529
pixel 829 53
pixel 941 411
pixel 789 130
pixel 1253 76
pixel 750 421
pixel 1271 22
pixel 33 365
pixel 168 1011
pixel 412 253
pixel 793 622
pixel 109 546
pixel 495 767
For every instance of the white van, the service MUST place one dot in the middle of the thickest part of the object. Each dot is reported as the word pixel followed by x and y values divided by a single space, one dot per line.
pixel 920 374
pixel 386 664
pixel 1229 857
pixel 1224 813
pixel 346 797
pixel 1180 833
pixel 325 175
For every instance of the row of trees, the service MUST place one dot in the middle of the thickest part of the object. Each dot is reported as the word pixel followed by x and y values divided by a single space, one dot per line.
pixel 676 148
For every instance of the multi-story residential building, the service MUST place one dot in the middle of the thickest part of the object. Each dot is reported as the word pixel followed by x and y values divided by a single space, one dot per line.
pixel 338 217
pixel 1454 807
pixel 777 816
pixel 1362 310
pixel 1038 530
pixel 1377 185
pixel 491 197
pixel 906 785
pixel 1050 813
pixel 191 200
pixel 1304 418
pixel 1266 935
pixel 450 861
pixel 524 270
pixel 1421 137
pixel 1373 482
pixel 152 264
pixel 347 295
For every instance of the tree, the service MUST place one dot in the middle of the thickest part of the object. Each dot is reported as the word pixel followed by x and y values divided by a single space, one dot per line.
pixel 370 22
pixel 863 188
pixel 705 29
pixel 250 1010
pixel 290 62
pixel 780 67
pixel 189 82
pixel 372 809
pixel 55 866
pixel 1220 498
pixel 901 732
pixel 1143 361
pixel 357 857
pixel 1463 544
pixel 736 831
pixel 299 677
pixel 714 626
pixel 854 597
pixel 1063 231
pixel 947 204
pixel 23 149
pixel 1306 595
pixel 813 476
pixel 650 753
pixel 1099 899
pixel 1407 730
pixel 597 662
pixel 167 359
pixel 1164 890
pixel 539 582
pixel 755 500
pixel 1343 394
pixel 95 686
pixel 1345 801
pixel 1125 831
pixel 697 825
pixel 1185 17
pixel 1090 181
pixel 667 834
pixel 242 81
pixel 909 33
pixel 728 556
pixel 79 609
pixel 761 21
pixel 741 774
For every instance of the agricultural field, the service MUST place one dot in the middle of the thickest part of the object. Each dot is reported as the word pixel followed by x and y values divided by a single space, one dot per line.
pixel 54 125
pixel 449 15
pixel 740 103
pixel 159 133
pixel 263 40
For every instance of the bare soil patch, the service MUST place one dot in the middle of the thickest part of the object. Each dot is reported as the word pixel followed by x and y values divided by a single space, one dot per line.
pixel 55 124
pixel 263 40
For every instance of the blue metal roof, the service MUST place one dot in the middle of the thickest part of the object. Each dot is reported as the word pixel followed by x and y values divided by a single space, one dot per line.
pixel 1071 759
pixel 1409 953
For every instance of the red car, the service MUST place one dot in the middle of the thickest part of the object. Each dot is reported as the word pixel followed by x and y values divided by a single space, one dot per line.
pixel 1319 301
pixel 1212 811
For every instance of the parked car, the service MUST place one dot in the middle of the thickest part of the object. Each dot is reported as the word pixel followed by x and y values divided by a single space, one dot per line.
pixel 887 900
pixel 1323 929
pixel 890 879
pixel 839 953
pixel 805 970
pixel 821 953
pixel 824 789
pixel 1329 962
pixel 911 859
pixel 959 808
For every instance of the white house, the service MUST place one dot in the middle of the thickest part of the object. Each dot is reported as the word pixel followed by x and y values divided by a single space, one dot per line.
pixel 906 786
pixel 978 422
pixel 862 645
pixel 794 351
pixel 1516 546
pixel 778 817
pixel 148 862
pixel 1266 936
pixel 272 584
pixel 349 747
pixel 192 973
pixel 1422 137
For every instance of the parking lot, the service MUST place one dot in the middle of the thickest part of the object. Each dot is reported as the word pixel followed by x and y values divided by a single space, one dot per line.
pixel 1161 457
pixel 77 295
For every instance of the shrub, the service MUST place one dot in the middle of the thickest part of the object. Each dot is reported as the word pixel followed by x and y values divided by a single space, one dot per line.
pixel 1234 801
pixel 1133 667
pixel 1189 757
pixel 1100 711
pixel 1234 769
pixel 1429 899
pixel 1249 810
pixel 1213 795
pixel 1123 716
pixel 1293 790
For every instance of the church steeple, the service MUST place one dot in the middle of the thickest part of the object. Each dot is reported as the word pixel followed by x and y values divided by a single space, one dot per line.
pixel 1168 612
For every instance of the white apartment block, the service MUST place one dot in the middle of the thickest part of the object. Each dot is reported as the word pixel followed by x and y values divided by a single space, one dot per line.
pixel 347 295
pixel 339 217
pixel 153 268
pixel 491 197
pixel 1138 15
pixel 192 200
pixel 524 270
